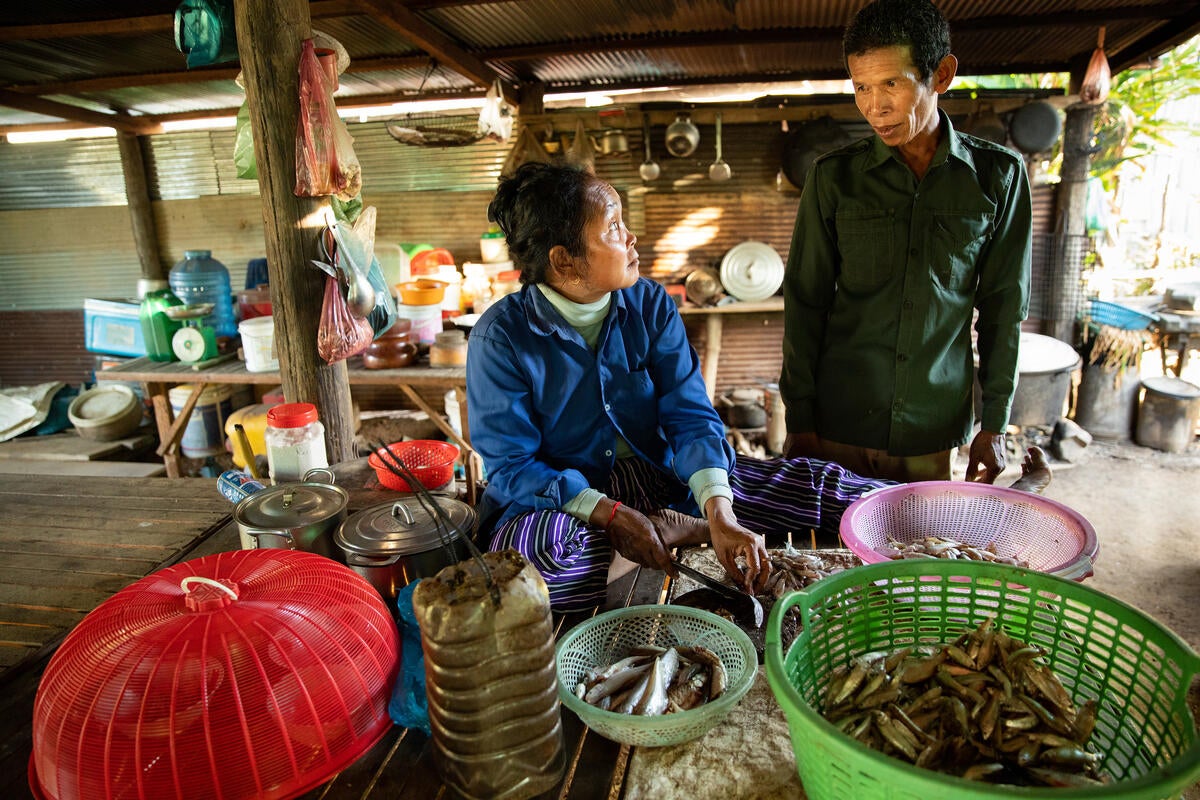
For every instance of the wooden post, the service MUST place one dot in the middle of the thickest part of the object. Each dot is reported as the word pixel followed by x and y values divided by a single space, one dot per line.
pixel 270 34
pixel 1071 216
pixel 137 196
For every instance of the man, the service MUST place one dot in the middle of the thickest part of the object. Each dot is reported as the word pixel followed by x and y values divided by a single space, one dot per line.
pixel 900 237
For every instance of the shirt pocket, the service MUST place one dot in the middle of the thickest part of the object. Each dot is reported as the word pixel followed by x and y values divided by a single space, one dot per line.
pixel 959 238
pixel 866 242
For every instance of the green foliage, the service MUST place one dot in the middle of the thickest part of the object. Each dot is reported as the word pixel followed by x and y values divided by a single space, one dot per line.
pixel 1131 124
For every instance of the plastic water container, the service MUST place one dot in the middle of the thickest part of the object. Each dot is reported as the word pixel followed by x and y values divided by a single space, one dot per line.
pixel 200 278
pixel 205 431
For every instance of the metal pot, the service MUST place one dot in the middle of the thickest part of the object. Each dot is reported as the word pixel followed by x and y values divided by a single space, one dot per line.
pixel 395 543
pixel 682 136
pixel 294 516
pixel 613 142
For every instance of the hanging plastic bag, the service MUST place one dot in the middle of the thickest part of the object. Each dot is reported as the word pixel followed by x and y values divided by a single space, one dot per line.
pixel 355 253
pixel 495 118
pixel 243 145
pixel 340 334
pixel 1097 80
pixel 325 159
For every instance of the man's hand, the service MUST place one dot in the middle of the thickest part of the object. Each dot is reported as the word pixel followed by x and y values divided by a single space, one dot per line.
pixel 986 460
pixel 800 445
pixel 730 540
pixel 633 535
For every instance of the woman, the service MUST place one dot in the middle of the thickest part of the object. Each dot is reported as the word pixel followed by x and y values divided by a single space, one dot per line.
pixel 588 406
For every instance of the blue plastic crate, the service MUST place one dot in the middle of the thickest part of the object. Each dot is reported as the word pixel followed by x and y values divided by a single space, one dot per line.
pixel 1103 312
pixel 113 327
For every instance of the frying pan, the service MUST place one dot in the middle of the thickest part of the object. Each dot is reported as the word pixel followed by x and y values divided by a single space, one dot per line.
pixel 1035 127
pixel 807 140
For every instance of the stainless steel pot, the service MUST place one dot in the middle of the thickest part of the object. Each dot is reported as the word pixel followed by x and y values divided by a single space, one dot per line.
pixel 302 515
pixel 395 543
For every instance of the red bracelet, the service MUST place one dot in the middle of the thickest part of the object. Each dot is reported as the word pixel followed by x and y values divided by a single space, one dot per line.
pixel 612 515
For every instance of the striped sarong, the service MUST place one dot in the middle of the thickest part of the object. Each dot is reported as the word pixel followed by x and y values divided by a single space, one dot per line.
pixel 770 497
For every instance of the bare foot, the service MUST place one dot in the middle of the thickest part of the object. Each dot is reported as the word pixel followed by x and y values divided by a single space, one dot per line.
pixel 678 529
pixel 1035 472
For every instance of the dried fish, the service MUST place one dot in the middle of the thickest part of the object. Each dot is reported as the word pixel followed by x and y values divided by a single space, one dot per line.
pixel 943 547
pixel 984 706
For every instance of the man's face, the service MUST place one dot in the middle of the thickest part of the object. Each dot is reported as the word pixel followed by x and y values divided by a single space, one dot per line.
pixel 890 94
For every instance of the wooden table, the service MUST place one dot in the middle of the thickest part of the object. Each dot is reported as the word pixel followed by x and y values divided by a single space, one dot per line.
pixel 714 322
pixel 158 378
pixel 66 545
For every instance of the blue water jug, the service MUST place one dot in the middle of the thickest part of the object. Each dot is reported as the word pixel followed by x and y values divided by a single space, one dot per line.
pixel 200 278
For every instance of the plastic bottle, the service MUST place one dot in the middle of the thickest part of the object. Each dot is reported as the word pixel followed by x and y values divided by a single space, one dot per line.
pixel 476 288
pixel 295 441
pixel 157 327
pixel 200 278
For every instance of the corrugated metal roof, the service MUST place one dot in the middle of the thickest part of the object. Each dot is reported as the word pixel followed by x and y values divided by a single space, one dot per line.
pixel 567 45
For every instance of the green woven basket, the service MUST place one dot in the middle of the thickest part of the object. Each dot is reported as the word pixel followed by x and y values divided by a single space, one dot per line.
pixel 1100 648
pixel 607 637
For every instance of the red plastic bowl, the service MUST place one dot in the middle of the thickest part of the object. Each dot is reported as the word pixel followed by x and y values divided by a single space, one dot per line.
pixel 1049 536
pixel 431 461
pixel 248 674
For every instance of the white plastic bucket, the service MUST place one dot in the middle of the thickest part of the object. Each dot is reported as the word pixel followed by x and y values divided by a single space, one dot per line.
pixel 258 343
pixel 205 431
pixel 426 320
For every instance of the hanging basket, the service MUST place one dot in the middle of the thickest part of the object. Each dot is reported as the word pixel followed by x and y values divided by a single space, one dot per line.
pixel 434 130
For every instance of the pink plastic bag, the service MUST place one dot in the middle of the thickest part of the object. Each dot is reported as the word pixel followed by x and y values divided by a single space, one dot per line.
pixel 325 159
pixel 340 334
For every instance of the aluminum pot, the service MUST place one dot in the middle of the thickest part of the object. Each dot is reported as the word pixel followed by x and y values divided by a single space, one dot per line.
pixel 300 515
pixel 392 544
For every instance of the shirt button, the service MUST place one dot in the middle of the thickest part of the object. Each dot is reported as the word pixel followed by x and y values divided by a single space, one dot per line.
pixel 908 304
pixel 607 407
pixel 608 452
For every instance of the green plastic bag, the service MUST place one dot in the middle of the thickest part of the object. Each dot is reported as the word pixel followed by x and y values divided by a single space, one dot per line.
pixel 243 146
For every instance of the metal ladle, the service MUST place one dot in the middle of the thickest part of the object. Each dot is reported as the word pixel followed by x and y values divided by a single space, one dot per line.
pixel 719 170
pixel 649 170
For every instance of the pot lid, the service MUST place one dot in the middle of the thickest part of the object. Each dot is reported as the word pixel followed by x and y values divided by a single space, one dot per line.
pixel 290 505
pixel 752 271
pixel 239 675
pixel 402 527
pixel 1173 387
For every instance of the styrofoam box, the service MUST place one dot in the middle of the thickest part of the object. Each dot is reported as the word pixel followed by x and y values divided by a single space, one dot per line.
pixel 112 326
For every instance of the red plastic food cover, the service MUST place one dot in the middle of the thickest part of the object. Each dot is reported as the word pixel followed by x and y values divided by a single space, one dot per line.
pixel 248 674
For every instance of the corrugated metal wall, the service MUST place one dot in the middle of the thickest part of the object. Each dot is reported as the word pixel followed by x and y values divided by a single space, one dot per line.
pixel 68 236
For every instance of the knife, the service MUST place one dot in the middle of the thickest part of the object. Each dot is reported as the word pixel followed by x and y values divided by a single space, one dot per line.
pixel 747 604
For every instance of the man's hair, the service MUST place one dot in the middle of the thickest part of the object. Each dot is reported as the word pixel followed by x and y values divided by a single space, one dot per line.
pixel 887 23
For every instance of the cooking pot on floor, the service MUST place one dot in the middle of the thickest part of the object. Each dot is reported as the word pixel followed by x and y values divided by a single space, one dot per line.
pixel 299 515
pixel 392 544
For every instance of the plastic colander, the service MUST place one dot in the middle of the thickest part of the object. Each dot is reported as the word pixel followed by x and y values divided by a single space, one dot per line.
pixel 430 461
pixel 607 637
pixel 249 674
pixel 1100 649
pixel 1046 535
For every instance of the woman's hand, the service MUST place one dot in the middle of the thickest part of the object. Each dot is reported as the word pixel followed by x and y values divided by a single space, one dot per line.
pixel 633 535
pixel 730 540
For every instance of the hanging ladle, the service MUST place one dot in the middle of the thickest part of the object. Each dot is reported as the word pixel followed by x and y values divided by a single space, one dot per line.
pixel 649 169
pixel 719 170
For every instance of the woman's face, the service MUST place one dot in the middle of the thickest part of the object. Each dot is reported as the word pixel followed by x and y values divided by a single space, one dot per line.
pixel 610 258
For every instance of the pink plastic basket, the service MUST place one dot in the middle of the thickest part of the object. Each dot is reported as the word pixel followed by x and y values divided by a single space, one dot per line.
pixel 1049 536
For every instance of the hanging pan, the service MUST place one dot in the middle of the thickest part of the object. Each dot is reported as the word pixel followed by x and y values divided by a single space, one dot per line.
pixel 1035 127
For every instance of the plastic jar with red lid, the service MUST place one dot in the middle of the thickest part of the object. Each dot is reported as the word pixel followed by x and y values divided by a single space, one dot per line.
pixel 295 441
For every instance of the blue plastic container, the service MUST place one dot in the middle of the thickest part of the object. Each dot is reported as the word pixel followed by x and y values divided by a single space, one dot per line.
pixel 200 278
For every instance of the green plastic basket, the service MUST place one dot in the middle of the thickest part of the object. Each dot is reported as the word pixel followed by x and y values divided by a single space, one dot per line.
pixel 607 637
pixel 1099 647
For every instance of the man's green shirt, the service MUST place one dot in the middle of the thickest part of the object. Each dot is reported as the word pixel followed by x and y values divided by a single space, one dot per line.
pixel 884 275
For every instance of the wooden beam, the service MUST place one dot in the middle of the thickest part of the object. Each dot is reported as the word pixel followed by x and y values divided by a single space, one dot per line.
pixel 205 74
pixel 132 26
pixel 137 196
pixel 400 19
pixel 39 105
pixel 270 33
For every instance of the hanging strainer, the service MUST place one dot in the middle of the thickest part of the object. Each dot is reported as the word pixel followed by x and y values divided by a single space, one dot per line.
pixel 248 674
